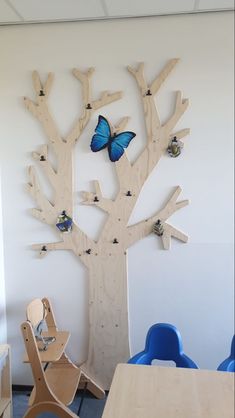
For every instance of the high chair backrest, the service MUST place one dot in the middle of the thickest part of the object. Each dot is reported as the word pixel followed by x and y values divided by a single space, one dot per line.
pixel 35 312
pixel 39 310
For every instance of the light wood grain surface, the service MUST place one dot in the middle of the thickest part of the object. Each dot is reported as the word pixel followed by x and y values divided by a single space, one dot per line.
pixel 55 350
pixel 5 382
pixel 106 258
pixel 162 392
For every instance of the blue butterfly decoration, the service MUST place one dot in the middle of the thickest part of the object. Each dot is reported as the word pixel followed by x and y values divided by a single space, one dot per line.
pixel 115 143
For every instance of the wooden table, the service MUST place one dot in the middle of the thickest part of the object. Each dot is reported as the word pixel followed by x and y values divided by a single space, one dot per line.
pixel 169 392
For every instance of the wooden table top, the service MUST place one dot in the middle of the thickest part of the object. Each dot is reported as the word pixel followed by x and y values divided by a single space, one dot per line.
pixel 169 392
pixel 55 349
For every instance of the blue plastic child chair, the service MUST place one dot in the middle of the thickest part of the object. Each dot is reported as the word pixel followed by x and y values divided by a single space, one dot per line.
pixel 228 365
pixel 163 342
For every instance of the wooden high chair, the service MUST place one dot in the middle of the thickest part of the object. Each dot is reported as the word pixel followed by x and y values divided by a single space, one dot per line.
pixel 56 383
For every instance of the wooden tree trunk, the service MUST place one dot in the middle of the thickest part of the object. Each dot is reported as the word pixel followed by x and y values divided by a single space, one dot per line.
pixel 108 317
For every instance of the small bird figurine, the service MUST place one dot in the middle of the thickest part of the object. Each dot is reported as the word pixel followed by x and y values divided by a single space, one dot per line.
pixel 174 147
pixel 64 222
pixel 158 228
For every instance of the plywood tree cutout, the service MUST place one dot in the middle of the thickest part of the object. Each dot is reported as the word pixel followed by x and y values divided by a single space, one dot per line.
pixel 106 258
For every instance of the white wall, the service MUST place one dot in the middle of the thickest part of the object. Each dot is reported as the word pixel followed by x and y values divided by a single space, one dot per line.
pixel 191 285
pixel 3 324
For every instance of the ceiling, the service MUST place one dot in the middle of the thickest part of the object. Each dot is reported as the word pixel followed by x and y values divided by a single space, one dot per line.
pixel 38 11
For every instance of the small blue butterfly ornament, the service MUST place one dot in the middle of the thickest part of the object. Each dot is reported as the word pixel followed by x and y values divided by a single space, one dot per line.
pixel 115 143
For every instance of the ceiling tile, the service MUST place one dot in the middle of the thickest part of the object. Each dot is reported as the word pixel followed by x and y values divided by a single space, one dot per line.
pixel 215 4
pixel 33 10
pixel 147 7
pixel 7 14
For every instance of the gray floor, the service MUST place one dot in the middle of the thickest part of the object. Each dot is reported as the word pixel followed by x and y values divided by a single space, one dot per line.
pixel 91 407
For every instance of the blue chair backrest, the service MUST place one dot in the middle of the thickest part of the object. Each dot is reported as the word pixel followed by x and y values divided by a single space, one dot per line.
pixel 228 365
pixel 163 342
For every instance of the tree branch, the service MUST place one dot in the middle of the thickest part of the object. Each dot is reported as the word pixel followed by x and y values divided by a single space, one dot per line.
pixel 85 80
pixel 45 247
pixel 40 110
pixel 121 125
pixel 180 134
pixel 89 105
pixel 82 246
pixel 144 228
pixel 42 158
pixel 170 231
pixel 105 99
pixel 97 199
pixel 158 136
pixel 123 166
pixel 152 120
pixel 48 84
pixel 38 86
pixel 132 177
pixel 41 216
pixel 46 211
pixel 61 179
pixel 140 79
pixel 172 205
pixel 157 83
pixel 180 107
